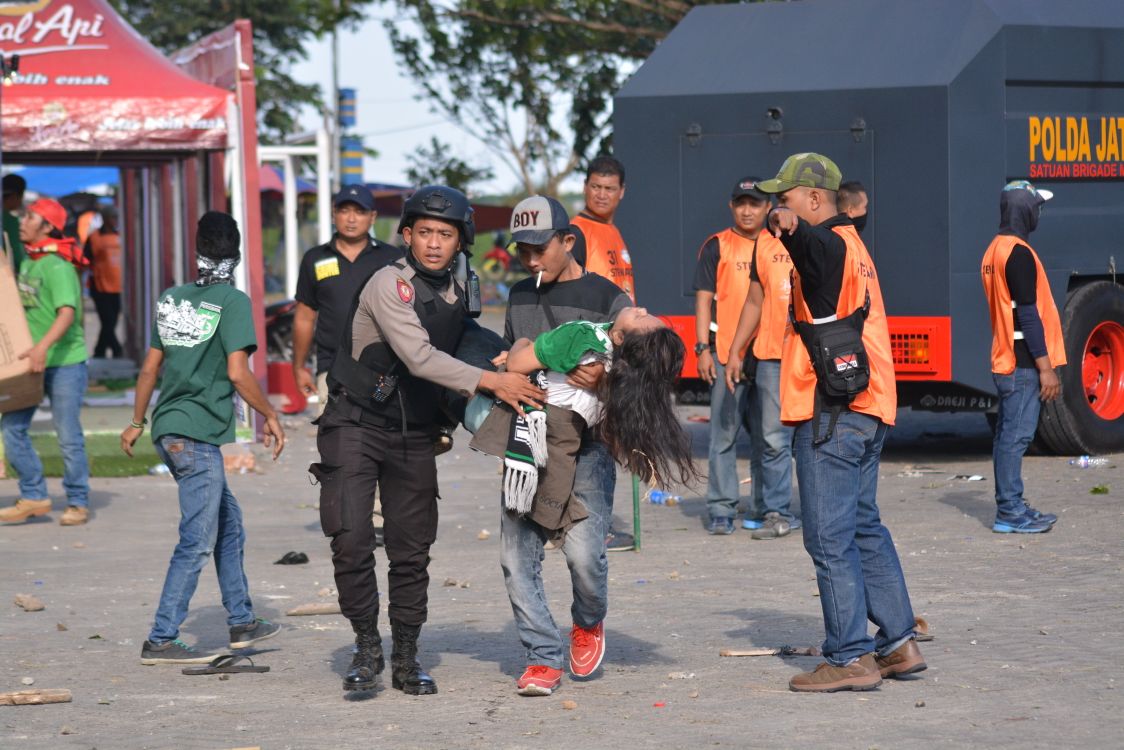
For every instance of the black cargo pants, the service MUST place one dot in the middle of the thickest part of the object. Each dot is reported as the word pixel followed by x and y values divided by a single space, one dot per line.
pixel 355 457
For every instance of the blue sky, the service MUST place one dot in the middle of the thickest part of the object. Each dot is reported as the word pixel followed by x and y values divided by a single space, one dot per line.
pixel 392 120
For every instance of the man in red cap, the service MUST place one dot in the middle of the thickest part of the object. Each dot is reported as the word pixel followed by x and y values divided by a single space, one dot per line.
pixel 51 294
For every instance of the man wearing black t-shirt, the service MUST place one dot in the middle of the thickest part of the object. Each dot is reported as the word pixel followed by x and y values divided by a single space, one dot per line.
pixel 330 277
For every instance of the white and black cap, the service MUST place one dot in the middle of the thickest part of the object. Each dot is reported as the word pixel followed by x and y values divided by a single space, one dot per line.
pixel 537 219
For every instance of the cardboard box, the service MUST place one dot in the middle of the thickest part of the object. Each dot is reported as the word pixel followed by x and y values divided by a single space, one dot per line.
pixel 19 388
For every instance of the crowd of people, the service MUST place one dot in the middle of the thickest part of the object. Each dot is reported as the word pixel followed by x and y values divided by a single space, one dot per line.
pixel 791 335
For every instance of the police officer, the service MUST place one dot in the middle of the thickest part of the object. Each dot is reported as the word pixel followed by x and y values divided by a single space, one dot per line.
pixel 330 276
pixel 378 430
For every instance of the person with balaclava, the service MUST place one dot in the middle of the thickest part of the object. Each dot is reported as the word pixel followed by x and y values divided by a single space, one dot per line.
pixel 203 336
pixel 378 429
pixel 51 295
pixel 1026 347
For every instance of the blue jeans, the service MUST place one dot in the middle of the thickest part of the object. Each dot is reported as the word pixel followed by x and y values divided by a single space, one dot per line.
pixel 521 556
pixel 857 568
pixel 1014 429
pixel 771 443
pixel 726 413
pixel 210 523
pixel 65 387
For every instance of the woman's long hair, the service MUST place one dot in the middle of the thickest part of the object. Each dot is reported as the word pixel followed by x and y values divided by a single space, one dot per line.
pixel 640 425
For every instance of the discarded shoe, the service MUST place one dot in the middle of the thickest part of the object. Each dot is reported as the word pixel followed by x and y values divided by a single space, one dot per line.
pixel 292 558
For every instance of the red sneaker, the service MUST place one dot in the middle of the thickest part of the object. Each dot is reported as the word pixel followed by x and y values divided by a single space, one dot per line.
pixel 587 649
pixel 539 679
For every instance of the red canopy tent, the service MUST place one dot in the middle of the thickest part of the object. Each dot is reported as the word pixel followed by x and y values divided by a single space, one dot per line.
pixel 90 90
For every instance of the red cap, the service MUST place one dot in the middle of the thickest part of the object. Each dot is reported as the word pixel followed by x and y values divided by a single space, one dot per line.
pixel 51 210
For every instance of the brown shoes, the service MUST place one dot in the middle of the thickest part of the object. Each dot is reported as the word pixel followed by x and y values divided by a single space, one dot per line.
pixel 906 659
pixel 861 674
pixel 74 516
pixel 25 509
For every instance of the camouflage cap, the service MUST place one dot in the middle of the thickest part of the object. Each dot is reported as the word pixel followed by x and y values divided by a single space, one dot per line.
pixel 804 170
pixel 1025 185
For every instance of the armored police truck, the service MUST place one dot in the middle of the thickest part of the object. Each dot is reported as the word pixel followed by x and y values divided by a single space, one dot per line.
pixel 934 106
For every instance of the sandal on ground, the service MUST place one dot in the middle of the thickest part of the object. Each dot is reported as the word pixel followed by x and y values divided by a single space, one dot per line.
pixel 226 664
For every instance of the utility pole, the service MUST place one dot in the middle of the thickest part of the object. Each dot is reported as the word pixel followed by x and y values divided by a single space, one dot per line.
pixel 335 106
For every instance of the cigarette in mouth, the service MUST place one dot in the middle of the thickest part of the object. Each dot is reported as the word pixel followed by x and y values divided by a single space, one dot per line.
pixel 538 280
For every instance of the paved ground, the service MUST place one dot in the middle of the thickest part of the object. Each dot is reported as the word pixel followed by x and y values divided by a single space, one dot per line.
pixel 1027 651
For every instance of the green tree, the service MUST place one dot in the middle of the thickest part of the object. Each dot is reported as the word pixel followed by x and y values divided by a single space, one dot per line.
pixel 435 165
pixel 282 28
pixel 513 73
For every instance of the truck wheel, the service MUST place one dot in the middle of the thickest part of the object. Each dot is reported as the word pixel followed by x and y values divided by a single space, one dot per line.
pixel 1089 415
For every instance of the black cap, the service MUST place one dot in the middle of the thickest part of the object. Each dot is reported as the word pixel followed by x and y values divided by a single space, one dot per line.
pixel 748 186
pixel 13 183
pixel 357 194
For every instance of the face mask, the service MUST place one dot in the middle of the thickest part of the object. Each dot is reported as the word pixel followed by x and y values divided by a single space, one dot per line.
pixel 859 222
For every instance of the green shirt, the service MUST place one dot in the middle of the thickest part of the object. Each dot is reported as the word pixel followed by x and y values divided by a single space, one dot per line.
pixel 13 245
pixel 575 343
pixel 46 285
pixel 197 328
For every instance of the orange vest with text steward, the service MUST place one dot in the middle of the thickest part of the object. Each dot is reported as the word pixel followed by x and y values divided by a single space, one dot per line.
pixel 731 287
pixel 606 254
pixel 993 272
pixel 798 379
pixel 774 269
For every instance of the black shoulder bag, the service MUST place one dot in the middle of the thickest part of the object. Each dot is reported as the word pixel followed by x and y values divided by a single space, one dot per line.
pixel 839 360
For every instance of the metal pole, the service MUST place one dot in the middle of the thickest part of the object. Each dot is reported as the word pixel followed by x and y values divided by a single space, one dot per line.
pixel 635 513
pixel 290 208
pixel 335 108
pixel 323 192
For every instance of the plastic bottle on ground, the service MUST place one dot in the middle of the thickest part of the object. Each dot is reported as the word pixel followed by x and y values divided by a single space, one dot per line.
pixel 1085 462
pixel 659 497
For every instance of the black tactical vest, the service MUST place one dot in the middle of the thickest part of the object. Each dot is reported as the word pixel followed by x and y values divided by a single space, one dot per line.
pixel 415 400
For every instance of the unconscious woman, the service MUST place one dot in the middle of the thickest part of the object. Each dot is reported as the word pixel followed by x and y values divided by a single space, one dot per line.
pixel 632 408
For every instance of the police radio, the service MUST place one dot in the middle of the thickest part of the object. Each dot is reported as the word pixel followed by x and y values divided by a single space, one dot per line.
pixel 464 273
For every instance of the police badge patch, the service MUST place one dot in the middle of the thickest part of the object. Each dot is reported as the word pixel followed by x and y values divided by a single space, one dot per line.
pixel 405 291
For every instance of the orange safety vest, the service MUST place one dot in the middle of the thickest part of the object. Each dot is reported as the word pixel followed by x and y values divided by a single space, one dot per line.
pixel 774 269
pixel 106 252
pixel 993 273
pixel 731 287
pixel 798 379
pixel 606 254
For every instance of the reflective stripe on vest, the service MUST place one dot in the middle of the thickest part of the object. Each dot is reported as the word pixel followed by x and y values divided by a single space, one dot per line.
pixel 606 254
pixel 798 380
pixel 993 274
pixel 774 269
pixel 731 287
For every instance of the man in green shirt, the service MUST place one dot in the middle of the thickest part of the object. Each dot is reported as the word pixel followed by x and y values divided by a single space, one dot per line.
pixel 204 334
pixel 52 301
pixel 13 187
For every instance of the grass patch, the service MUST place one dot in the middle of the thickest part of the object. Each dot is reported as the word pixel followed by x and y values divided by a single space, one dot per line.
pixel 103 450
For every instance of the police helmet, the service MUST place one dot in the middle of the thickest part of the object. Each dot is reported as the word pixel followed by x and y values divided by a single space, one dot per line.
pixel 440 202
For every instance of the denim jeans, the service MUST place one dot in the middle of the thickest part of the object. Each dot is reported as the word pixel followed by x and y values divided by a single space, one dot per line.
pixel 65 387
pixel 210 523
pixel 857 568
pixel 727 411
pixel 521 557
pixel 771 445
pixel 1014 429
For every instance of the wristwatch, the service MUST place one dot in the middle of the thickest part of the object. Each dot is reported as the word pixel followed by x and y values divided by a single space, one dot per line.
pixel 700 347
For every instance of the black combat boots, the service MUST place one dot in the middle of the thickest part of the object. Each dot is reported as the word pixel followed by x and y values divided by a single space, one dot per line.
pixel 406 673
pixel 368 661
